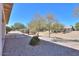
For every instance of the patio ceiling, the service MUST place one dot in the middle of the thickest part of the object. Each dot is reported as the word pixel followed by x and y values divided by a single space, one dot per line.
pixel 7 7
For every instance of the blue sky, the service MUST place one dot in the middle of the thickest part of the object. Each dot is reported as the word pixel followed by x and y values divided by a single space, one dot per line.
pixel 23 13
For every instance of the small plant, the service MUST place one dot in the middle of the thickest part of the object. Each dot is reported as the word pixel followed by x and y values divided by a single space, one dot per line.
pixel 34 41
pixel 8 29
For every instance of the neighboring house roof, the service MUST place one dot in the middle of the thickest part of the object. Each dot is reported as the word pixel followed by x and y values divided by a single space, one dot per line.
pixel 7 7
pixel 67 27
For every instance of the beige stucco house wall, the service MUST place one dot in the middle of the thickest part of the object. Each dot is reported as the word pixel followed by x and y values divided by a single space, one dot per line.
pixel 1 29
pixel 5 10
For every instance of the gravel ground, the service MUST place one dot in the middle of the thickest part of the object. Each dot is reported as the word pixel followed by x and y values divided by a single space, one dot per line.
pixel 74 35
pixel 18 45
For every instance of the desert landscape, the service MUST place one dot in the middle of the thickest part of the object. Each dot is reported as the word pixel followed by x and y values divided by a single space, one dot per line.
pixel 40 30
pixel 17 43
pixel 73 35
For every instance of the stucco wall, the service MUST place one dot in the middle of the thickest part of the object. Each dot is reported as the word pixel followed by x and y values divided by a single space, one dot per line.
pixel 0 29
pixel 3 34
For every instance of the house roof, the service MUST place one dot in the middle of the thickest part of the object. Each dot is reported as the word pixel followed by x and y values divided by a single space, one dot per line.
pixel 7 7
pixel 67 27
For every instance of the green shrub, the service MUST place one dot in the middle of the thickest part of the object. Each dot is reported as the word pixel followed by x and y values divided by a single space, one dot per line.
pixel 77 26
pixel 34 41
pixel 8 29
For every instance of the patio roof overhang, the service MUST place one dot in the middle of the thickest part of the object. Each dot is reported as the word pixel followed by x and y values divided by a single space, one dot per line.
pixel 7 7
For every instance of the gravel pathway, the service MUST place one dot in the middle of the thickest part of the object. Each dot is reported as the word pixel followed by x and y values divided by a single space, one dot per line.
pixel 19 46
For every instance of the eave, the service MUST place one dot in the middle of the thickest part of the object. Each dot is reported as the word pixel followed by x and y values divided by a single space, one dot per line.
pixel 7 8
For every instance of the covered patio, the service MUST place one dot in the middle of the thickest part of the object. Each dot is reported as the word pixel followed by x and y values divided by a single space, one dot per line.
pixel 19 45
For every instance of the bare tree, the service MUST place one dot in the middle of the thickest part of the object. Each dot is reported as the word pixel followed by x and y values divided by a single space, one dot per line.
pixel 37 23
pixel 76 12
pixel 51 19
